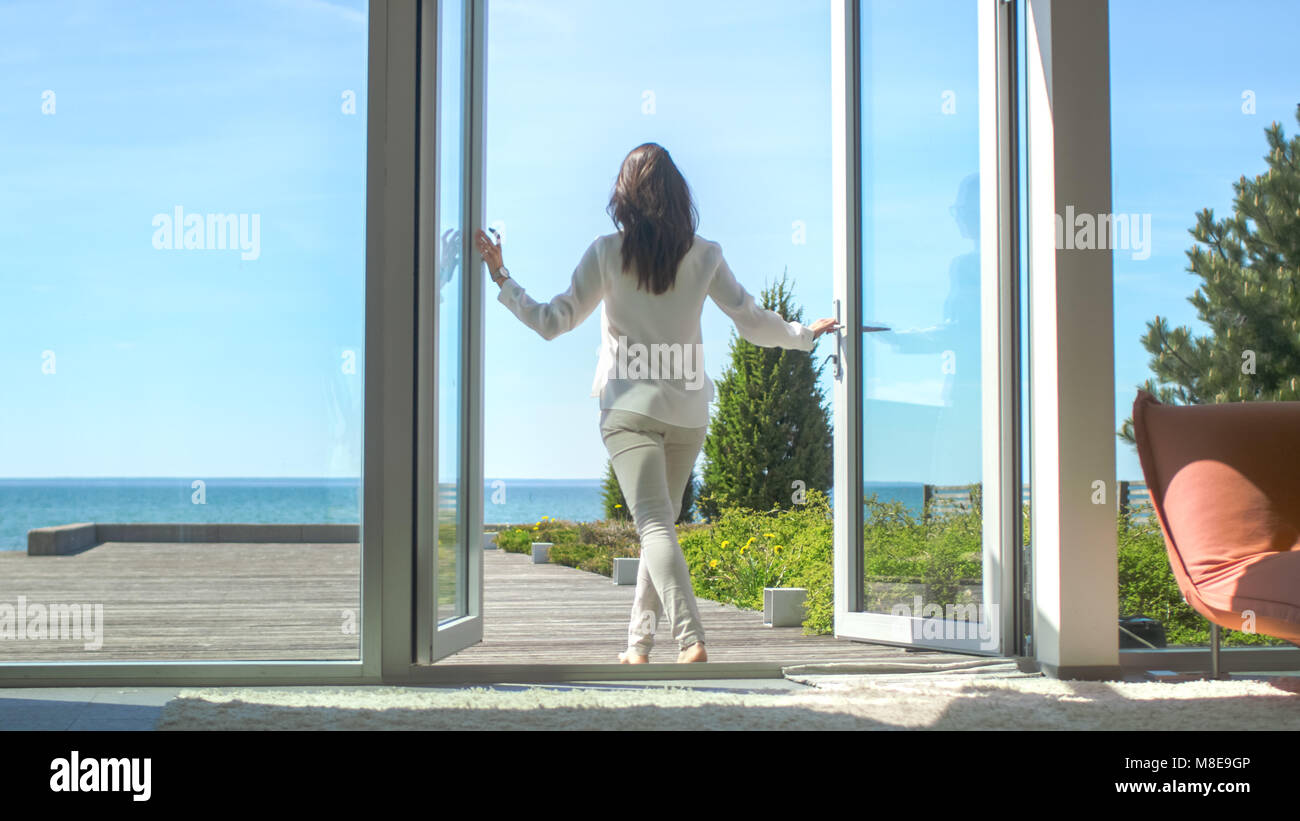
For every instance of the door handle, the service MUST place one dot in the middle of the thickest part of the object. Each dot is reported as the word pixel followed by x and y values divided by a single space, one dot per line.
pixel 838 356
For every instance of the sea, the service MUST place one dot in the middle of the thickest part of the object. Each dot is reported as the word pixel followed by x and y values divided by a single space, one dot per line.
pixel 31 503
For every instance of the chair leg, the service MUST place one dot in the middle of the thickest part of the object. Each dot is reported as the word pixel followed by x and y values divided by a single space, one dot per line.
pixel 1215 669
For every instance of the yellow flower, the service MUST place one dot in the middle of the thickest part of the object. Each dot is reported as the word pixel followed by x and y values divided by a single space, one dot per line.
pixel 725 543
pixel 544 518
pixel 713 563
pixel 534 527
pixel 776 549
pixel 617 505
pixel 743 548
pixel 750 542
pixel 769 535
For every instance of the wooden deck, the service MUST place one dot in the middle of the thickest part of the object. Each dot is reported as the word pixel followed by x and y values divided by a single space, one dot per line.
pixel 194 601
pixel 553 614
pixel 204 601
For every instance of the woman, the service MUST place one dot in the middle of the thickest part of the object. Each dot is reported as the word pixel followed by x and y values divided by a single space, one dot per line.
pixel 653 276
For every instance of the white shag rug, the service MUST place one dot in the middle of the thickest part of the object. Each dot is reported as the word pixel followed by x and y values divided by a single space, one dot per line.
pixel 832 702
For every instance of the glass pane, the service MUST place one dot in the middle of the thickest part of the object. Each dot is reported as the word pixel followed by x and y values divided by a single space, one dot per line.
pixel 921 279
pixel 451 306
pixel 1188 123
pixel 181 331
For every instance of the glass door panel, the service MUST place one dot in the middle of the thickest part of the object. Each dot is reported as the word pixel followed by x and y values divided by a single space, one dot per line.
pixel 923 572
pixel 449 557
pixel 450 535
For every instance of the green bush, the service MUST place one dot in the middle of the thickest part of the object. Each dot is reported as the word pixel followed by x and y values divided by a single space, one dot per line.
pixel 611 496
pixel 743 551
pixel 735 557
pixel 939 552
pixel 520 538
pixel 1147 587
pixel 618 534
pixel 597 545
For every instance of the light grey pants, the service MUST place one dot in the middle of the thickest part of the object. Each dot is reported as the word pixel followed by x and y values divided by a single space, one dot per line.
pixel 653 460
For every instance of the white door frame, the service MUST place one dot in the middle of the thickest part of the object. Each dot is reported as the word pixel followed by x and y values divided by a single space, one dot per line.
pixel 389 468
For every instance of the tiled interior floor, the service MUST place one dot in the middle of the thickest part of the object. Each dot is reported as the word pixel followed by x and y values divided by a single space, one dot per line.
pixel 83 708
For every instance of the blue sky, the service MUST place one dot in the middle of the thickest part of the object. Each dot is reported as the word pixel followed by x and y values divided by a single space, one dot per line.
pixel 174 362
pixel 741 100
pixel 1179 139
pixel 179 363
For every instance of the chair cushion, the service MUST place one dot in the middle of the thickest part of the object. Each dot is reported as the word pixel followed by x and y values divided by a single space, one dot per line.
pixel 1225 483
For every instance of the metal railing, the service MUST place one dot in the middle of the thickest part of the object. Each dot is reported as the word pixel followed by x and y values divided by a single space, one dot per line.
pixel 940 500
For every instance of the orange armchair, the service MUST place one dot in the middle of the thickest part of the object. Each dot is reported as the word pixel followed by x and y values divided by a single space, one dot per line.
pixel 1225 484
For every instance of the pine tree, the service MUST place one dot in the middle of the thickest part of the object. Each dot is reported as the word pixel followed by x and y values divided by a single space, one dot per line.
pixel 771 425
pixel 616 505
pixel 1249 296
pixel 612 496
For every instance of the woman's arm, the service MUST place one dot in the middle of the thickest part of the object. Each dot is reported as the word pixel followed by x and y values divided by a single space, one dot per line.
pixel 754 323
pixel 566 311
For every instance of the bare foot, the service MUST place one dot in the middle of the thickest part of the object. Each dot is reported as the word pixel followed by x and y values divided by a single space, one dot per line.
pixel 693 653
pixel 628 657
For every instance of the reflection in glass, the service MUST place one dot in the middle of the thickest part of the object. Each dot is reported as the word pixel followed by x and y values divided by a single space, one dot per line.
pixel 921 435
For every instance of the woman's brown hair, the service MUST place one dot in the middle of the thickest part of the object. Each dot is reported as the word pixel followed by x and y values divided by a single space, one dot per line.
pixel 651 206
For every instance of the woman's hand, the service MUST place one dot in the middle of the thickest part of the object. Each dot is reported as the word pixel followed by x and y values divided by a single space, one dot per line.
pixel 822 326
pixel 491 253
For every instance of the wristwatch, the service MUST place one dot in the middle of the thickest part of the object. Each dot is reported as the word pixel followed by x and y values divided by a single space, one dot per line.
pixel 503 273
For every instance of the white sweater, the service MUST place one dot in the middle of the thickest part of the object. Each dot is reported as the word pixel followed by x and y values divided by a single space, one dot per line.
pixel 667 383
